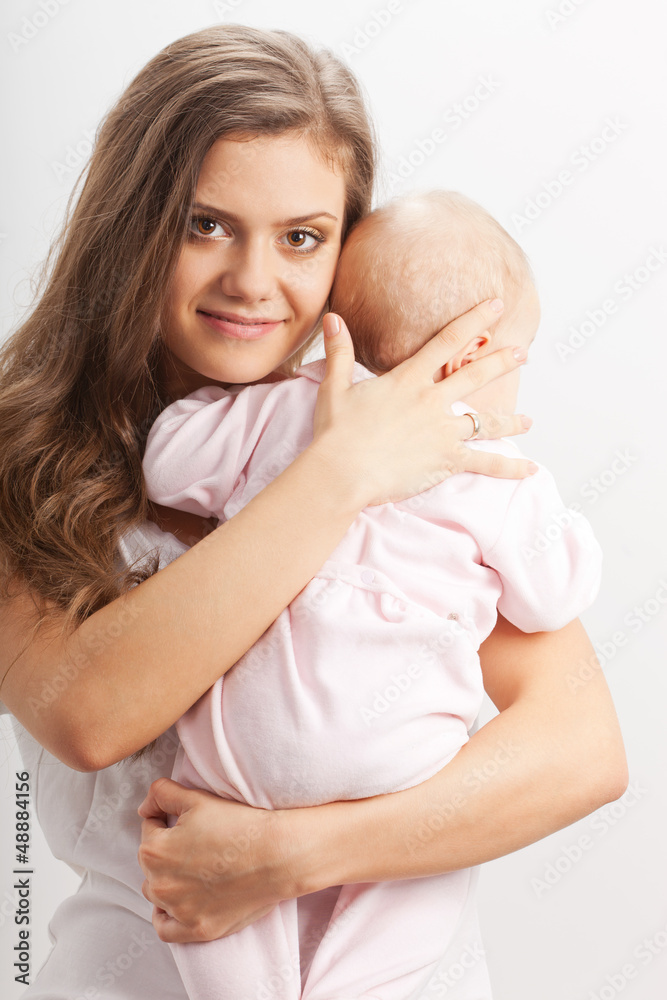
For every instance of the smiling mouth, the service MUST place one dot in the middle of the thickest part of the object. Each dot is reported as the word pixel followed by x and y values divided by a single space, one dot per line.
pixel 239 320
pixel 239 327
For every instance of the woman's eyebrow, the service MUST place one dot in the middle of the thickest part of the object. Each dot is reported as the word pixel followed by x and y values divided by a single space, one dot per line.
pixel 285 222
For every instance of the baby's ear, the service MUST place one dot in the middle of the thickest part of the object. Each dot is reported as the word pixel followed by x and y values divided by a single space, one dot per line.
pixel 475 349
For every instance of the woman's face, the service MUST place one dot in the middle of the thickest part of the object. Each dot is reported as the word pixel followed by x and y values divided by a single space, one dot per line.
pixel 253 278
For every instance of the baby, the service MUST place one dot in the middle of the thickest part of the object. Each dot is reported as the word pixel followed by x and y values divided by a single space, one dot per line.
pixel 409 268
pixel 370 681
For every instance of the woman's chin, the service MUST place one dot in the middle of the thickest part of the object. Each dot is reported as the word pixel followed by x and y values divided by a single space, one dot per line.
pixel 246 375
pixel 233 371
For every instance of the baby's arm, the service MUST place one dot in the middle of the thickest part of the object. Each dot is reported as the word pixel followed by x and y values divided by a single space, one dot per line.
pixel 198 447
pixel 546 555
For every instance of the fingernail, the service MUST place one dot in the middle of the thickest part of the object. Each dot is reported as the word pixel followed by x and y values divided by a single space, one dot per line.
pixel 331 325
pixel 526 421
pixel 520 353
pixel 532 468
pixel 497 305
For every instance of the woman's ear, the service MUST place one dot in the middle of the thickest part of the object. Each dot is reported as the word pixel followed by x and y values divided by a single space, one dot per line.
pixel 475 349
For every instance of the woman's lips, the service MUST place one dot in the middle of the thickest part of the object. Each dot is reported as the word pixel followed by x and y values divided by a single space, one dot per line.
pixel 241 329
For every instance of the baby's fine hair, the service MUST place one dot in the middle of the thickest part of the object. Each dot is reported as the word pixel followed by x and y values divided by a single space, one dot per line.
pixel 410 267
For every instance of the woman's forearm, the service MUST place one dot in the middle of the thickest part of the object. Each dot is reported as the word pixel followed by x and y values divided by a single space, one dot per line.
pixel 553 755
pixel 136 665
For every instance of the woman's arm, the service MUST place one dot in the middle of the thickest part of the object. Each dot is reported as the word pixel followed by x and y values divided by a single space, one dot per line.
pixel 553 755
pixel 135 666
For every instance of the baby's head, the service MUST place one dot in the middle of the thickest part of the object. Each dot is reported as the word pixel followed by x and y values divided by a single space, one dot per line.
pixel 413 265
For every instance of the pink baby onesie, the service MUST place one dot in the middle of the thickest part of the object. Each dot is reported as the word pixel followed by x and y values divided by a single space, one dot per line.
pixel 367 683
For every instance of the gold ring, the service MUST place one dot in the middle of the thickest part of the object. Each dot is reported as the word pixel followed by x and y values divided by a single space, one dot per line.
pixel 475 423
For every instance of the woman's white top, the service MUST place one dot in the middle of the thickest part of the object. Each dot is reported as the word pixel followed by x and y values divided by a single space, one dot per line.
pixel 104 944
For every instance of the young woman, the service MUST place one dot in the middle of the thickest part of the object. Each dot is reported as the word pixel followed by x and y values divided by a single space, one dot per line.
pixel 201 250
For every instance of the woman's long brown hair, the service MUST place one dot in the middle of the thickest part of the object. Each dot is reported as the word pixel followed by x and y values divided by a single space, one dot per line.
pixel 79 384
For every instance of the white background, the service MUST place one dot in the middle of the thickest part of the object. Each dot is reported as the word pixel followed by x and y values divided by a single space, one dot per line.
pixel 553 81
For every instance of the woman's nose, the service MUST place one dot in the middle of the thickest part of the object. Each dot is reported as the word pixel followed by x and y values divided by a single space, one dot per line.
pixel 249 272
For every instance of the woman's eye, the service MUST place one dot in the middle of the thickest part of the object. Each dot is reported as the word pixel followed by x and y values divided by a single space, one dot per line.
pixel 203 226
pixel 301 239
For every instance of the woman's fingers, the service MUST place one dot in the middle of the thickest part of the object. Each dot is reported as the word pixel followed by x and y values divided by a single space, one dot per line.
pixel 494 425
pixel 169 929
pixel 165 797
pixel 152 825
pixel 339 352
pixel 338 373
pixel 442 347
pixel 480 372
pixel 146 890
pixel 172 931
pixel 490 463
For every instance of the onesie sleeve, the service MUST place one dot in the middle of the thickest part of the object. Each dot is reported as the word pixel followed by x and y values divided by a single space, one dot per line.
pixel 198 447
pixel 547 557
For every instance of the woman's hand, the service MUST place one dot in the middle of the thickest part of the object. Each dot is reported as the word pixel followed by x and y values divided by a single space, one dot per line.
pixel 519 778
pixel 213 873
pixel 395 435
